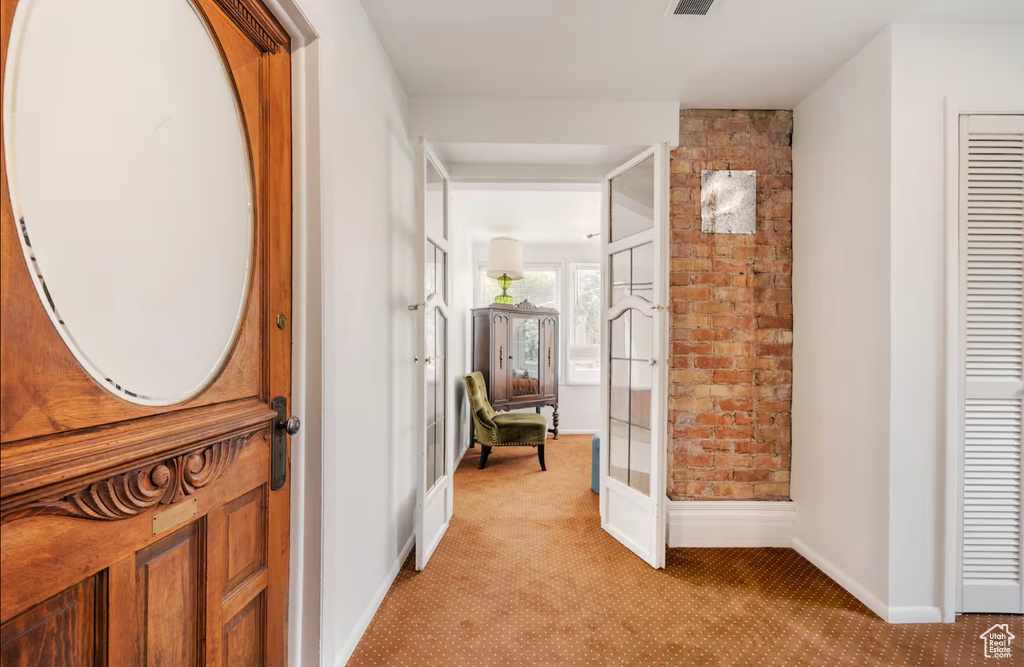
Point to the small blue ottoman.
(595, 464)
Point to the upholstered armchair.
(506, 430)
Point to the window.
(541, 284)
(584, 325)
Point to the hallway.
(525, 575)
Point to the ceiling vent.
(691, 7)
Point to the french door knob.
(292, 426)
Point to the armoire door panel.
(61, 631)
(549, 357)
(500, 371)
(169, 600)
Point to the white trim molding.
(840, 576)
(731, 523)
(857, 590)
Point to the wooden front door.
(144, 531)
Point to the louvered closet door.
(992, 276)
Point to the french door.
(434, 488)
(634, 344)
(991, 303)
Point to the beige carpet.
(525, 575)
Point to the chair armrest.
(485, 420)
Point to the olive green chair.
(505, 430)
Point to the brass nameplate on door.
(175, 516)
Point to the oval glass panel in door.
(132, 190)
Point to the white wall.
(368, 337)
(869, 192)
(929, 63)
(841, 324)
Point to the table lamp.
(505, 264)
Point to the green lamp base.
(504, 282)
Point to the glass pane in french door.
(621, 266)
(440, 396)
(642, 275)
(631, 376)
(434, 365)
(430, 277)
(633, 273)
(433, 388)
(436, 270)
(632, 200)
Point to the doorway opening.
(567, 337)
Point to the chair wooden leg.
(540, 455)
(485, 451)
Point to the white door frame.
(611, 489)
(955, 376)
(433, 506)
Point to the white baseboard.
(725, 523)
(838, 575)
(364, 621)
(914, 615)
(870, 600)
(577, 431)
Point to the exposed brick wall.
(732, 325)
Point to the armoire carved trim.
(131, 493)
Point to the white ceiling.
(743, 54)
(551, 214)
(966, 11)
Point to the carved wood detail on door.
(131, 493)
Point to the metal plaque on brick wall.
(728, 202)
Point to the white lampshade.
(506, 258)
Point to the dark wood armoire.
(516, 349)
